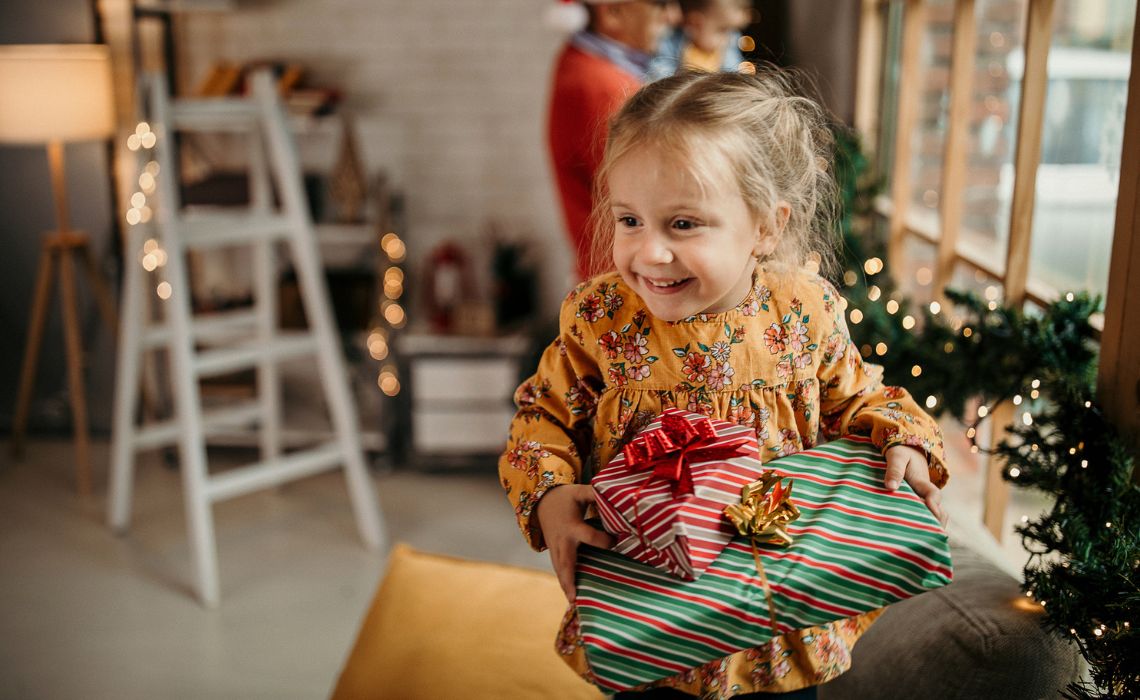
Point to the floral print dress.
(781, 361)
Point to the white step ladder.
(206, 345)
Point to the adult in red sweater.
(596, 71)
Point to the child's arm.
(560, 517)
(853, 399)
(549, 435)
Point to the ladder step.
(207, 328)
(213, 114)
(251, 352)
(212, 228)
(162, 433)
(296, 465)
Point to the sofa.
(978, 637)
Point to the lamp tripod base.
(60, 251)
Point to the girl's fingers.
(598, 538)
(564, 570)
(896, 468)
(934, 503)
(584, 495)
(932, 497)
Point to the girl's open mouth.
(666, 286)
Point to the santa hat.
(569, 16)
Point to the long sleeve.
(853, 398)
(551, 429)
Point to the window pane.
(1075, 206)
(916, 280)
(928, 140)
(986, 199)
(889, 94)
(969, 279)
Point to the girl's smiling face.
(685, 249)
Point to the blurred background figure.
(598, 68)
(707, 38)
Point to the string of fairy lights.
(1025, 400)
(390, 312)
(151, 256)
(1030, 393)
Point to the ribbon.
(763, 515)
(670, 450)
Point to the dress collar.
(756, 299)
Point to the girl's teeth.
(667, 284)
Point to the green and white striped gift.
(857, 548)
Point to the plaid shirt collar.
(632, 61)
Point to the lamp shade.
(55, 92)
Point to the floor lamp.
(52, 94)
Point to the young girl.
(714, 196)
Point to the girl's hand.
(909, 463)
(559, 513)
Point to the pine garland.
(1084, 564)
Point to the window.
(952, 77)
(998, 126)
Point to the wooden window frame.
(1119, 372)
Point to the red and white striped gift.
(663, 496)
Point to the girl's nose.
(655, 250)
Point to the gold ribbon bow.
(763, 515)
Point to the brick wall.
(448, 98)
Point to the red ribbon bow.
(671, 449)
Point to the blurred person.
(598, 68)
(706, 40)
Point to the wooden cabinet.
(458, 398)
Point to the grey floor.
(88, 614)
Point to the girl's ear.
(770, 232)
(765, 244)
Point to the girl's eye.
(684, 224)
(627, 221)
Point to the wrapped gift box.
(857, 548)
(663, 495)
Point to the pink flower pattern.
(635, 348)
(720, 376)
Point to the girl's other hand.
(560, 516)
(909, 463)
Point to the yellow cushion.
(441, 627)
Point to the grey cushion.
(974, 638)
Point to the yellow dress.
(781, 361)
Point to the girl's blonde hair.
(759, 130)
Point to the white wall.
(449, 98)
